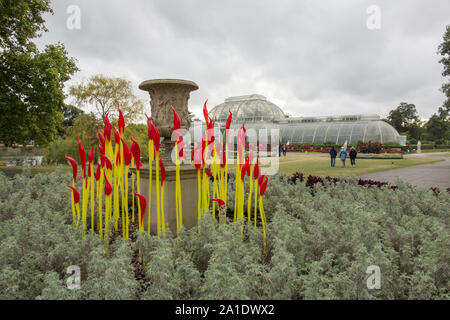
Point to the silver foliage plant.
(320, 242)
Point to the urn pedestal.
(189, 196)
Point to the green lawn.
(319, 165)
(314, 164)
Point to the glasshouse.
(259, 113)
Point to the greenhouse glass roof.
(258, 113)
(338, 132)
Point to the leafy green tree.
(31, 81)
(102, 94)
(416, 131)
(404, 118)
(438, 126)
(86, 127)
(444, 51)
(21, 20)
(70, 114)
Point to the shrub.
(39, 242)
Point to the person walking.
(284, 150)
(343, 156)
(333, 154)
(352, 155)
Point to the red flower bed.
(392, 151)
(366, 147)
(369, 147)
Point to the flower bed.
(368, 147)
(319, 246)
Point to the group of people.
(282, 149)
(343, 156)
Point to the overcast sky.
(311, 58)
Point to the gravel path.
(426, 175)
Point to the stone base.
(189, 196)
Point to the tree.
(404, 118)
(102, 94)
(21, 20)
(31, 81)
(86, 127)
(416, 131)
(438, 126)
(444, 51)
(70, 113)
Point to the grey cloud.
(310, 57)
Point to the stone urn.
(163, 94)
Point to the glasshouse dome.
(249, 108)
(259, 113)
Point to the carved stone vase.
(163, 94)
